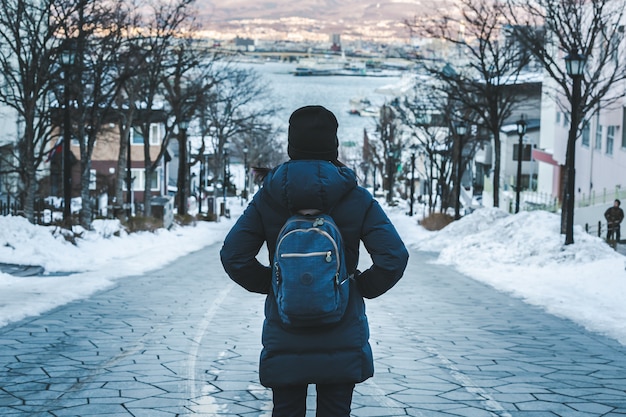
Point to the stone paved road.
(184, 341)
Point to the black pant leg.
(289, 401)
(334, 400)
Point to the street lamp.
(575, 66)
(461, 130)
(431, 157)
(390, 164)
(183, 167)
(521, 131)
(245, 169)
(129, 180)
(67, 60)
(225, 182)
(413, 149)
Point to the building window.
(138, 176)
(586, 133)
(598, 142)
(610, 139)
(136, 138)
(526, 152)
(155, 134)
(155, 184)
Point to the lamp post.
(225, 181)
(182, 167)
(461, 130)
(390, 164)
(521, 131)
(575, 66)
(413, 149)
(67, 59)
(129, 176)
(245, 169)
(431, 157)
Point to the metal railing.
(533, 200)
(606, 196)
(598, 229)
(14, 208)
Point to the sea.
(334, 92)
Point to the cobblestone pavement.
(185, 341)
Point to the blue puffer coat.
(337, 354)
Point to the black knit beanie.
(313, 134)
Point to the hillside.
(353, 18)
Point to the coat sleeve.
(238, 254)
(388, 253)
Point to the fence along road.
(185, 341)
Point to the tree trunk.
(86, 208)
(29, 178)
(147, 191)
(30, 188)
(122, 161)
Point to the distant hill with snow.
(360, 19)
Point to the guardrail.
(532, 200)
(598, 229)
(13, 208)
(605, 196)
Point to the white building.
(600, 161)
(510, 154)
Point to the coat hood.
(309, 184)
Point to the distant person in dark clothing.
(614, 216)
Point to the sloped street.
(185, 340)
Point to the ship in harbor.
(362, 106)
(318, 66)
(335, 65)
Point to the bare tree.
(593, 29)
(188, 86)
(486, 64)
(131, 61)
(388, 132)
(169, 61)
(239, 109)
(28, 52)
(373, 156)
(425, 115)
(97, 30)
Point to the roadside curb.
(21, 270)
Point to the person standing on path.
(614, 216)
(333, 357)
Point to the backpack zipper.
(328, 255)
(328, 236)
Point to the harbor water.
(333, 92)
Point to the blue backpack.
(310, 279)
